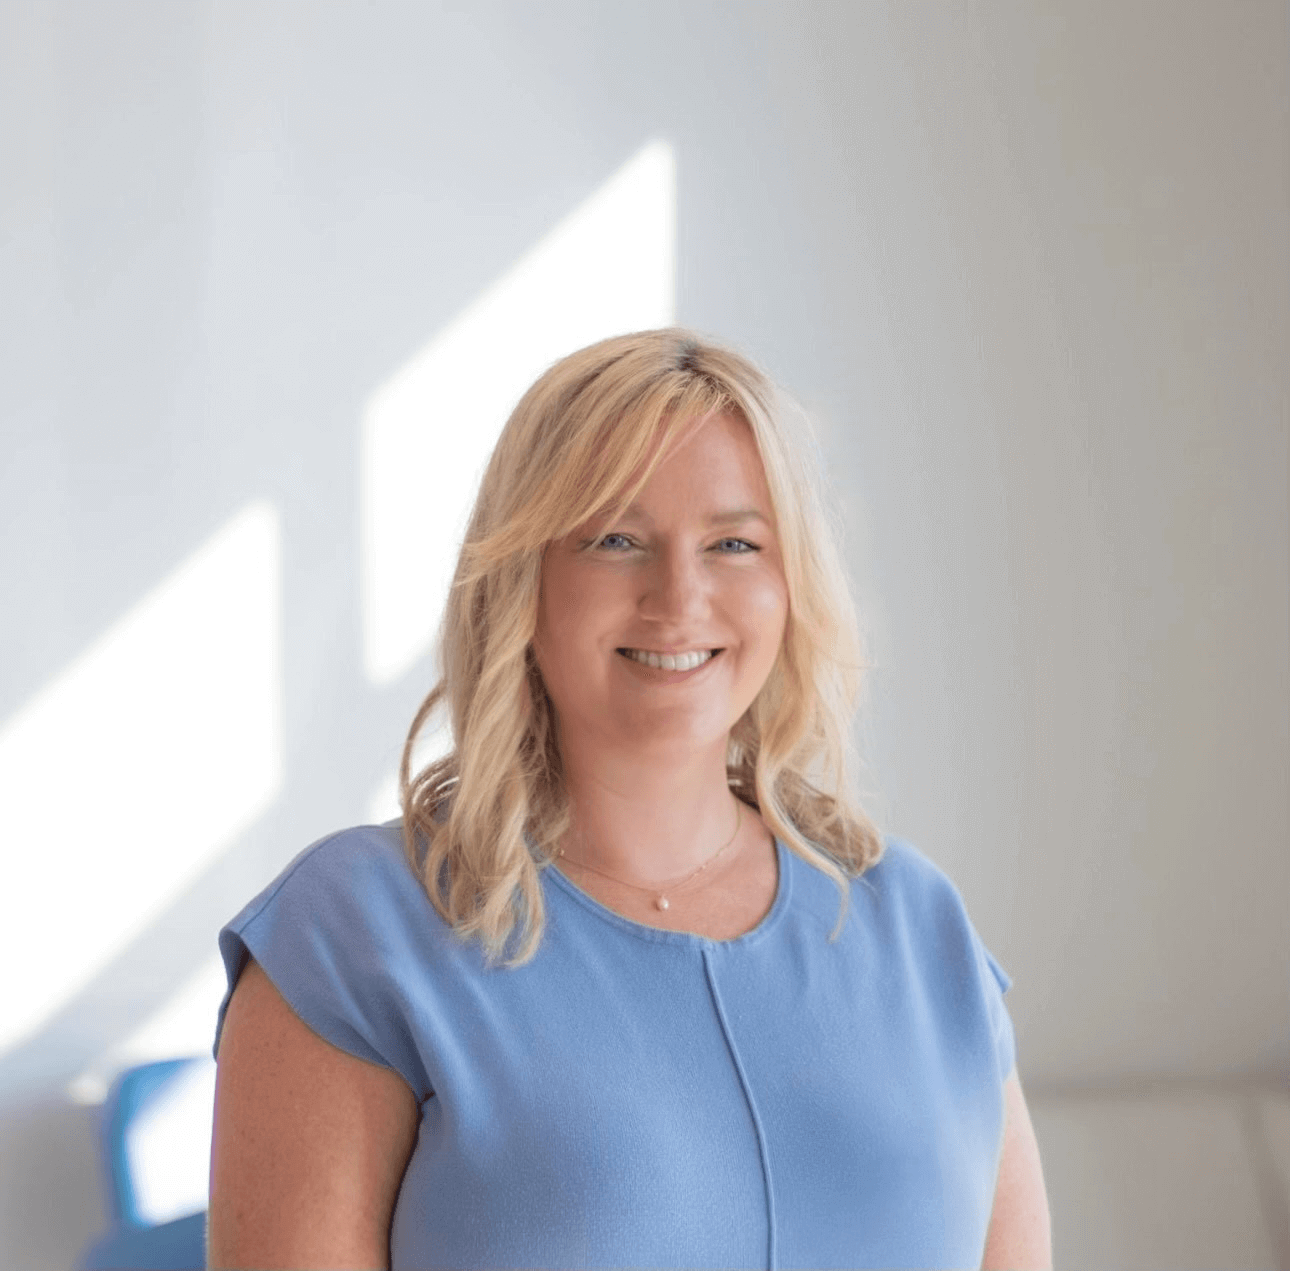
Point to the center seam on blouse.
(762, 1150)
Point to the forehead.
(707, 463)
(717, 452)
(705, 457)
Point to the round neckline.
(665, 935)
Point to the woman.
(633, 984)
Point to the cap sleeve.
(953, 956)
(996, 982)
(330, 933)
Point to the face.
(661, 634)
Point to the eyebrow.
(732, 517)
(737, 515)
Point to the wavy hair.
(481, 822)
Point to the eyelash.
(745, 547)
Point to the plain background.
(1028, 266)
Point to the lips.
(688, 661)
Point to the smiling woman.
(609, 518)
(615, 992)
(655, 632)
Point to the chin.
(647, 731)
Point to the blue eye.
(615, 542)
(735, 546)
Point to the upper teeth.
(670, 661)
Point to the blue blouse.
(634, 1097)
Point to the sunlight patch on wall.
(608, 268)
(124, 777)
(384, 802)
(433, 742)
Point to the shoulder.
(368, 851)
(903, 898)
(906, 926)
(907, 889)
(916, 901)
(902, 878)
(345, 933)
(352, 872)
(903, 875)
(910, 905)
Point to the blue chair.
(155, 1141)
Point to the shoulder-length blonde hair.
(480, 823)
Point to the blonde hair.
(480, 823)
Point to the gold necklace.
(660, 893)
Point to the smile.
(671, 661)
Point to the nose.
(676, 589)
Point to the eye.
(615, 542)
(735, 546)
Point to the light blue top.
(642, 1098)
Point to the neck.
(647, 821)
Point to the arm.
(1020, 1235)
(310, 1143)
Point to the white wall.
(1076, 488)
(1029, 265)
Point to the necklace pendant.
(661, 903)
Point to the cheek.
(574, 610)
(556, 598)
(553, 646)
(767, 611)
